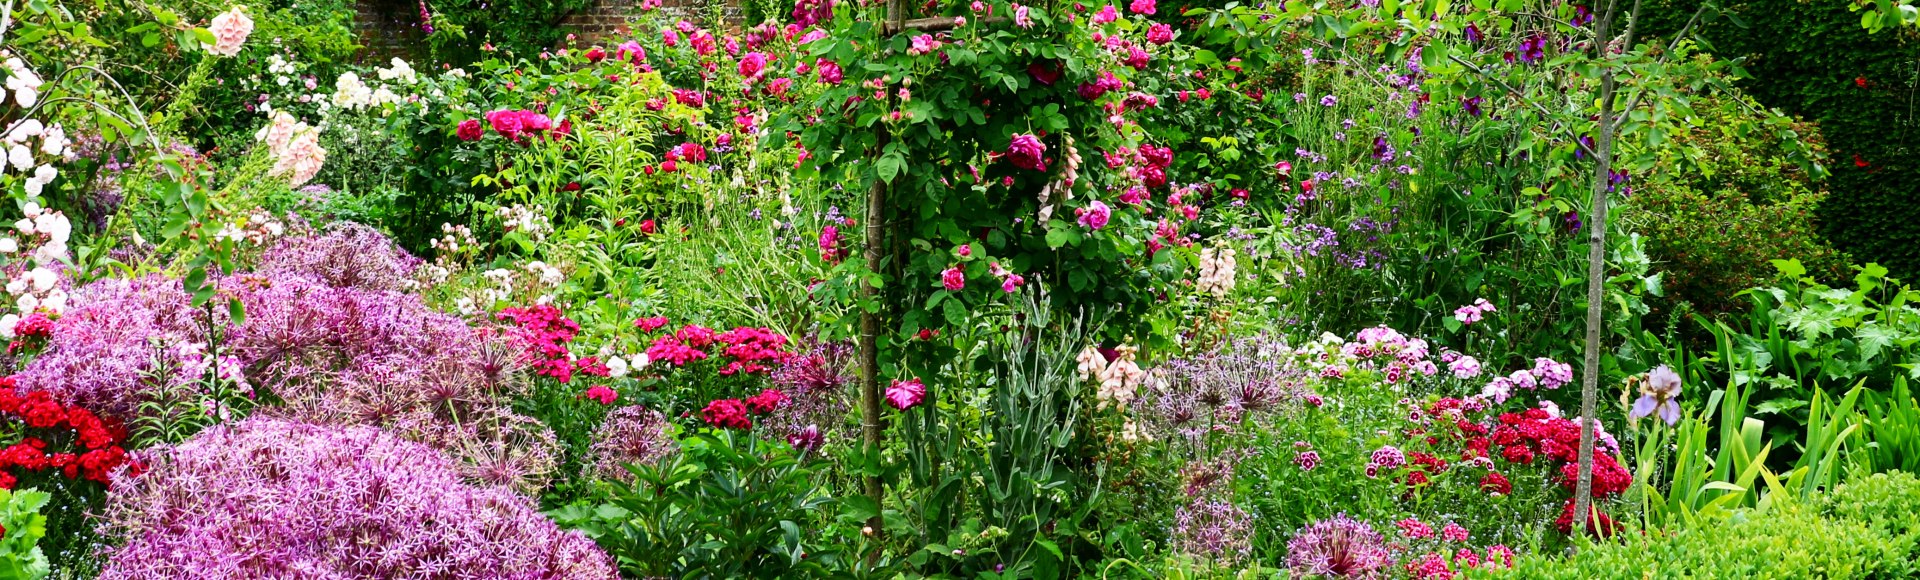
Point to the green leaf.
(888, 166)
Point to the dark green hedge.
(1812, 59)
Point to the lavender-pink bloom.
(1213, 529)
(116, 331)
(266, 498)
(348, 254)
(631, 434)
(1339, 547)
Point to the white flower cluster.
(37, 288)
(400, 71)
(531, 221)
(547, 275)
(258, 229)
(295, 146)
(350, 93)
(451, 250)
(1216, 271)
(24, 84)
(620, 366)
(20, 152)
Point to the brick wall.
(388, 28)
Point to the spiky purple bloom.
(265, 498)
(348, 254)
(117, 332)
(816, 384)
(354, 356)
(631, 434)
(1226, 385)
(1339, 547)
(1212, 529)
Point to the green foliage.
(1726, 197)
(1802, 333)
(1784, 543)
(21, 528)
(1815, 61)
(730, 505)
(1889, 502)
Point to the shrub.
(1750, 545)
(1885, 501)
(1721, 202)
(265, 498)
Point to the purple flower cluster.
(118, 332)
(347, 255)
(1213, 529)
(1247, 376)
(816, 384)
(266, 498)
(1339, 547)
(346, 355)
(631, 434)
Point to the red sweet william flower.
(727, 414)
(600, 393)
(1494, 482)
(766, 402)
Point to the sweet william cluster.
(99, 452)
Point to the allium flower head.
(1213, 529)
(266, 498)
(631, 434)
(347, 255)
(1339, 547)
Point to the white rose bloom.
(46, 173)
(34, 186)
(56, 301)
(27, 303)
(616, 367)
(54, 141)
(20, 157)
(638, 360)
(24, 225)
(7, 323)
(17, 286)
(8, 246)
(43, 279)
(24, 130)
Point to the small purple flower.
(1328, 101)
(1659, 395)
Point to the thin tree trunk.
(1597, 265)
(871, 325)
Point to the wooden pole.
(1597, 266)
(870, 323)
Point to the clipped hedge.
(1785, 543)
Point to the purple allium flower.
(265, 498)
(631, 434)
(1339, 547)
(354, 356)
(116, 332)
(1212, 529)
(816, 383)
(1222, 386)
(348, 254)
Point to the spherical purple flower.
(347, 255)
(1339, 547)
(265, 498)
(631, 434)
(1212, 529)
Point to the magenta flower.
(1454, 533)
(1158, 33)
(828, 71)
(807, 439)
(1012, 283)
(1026, 152)
(1143, 7)
(753, 65)
(1095, 215)
(1021, 18)
(1105, 15)
(469, 130)
(600, 393)
(906, 394)
(953, 279)
(630, 51)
